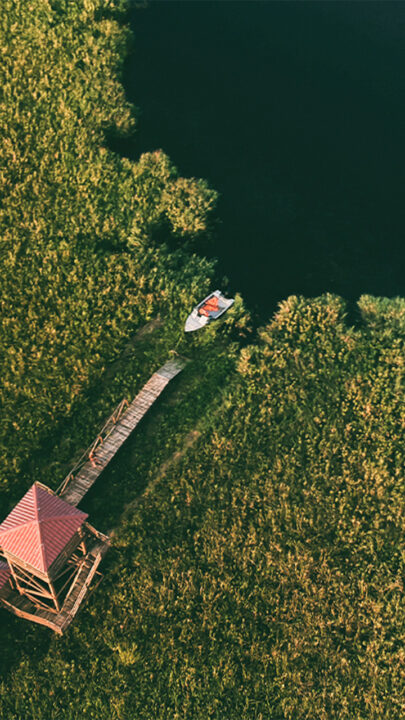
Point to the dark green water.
(295, 113)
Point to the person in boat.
(210, 306)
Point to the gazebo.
(50, 555)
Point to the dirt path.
(138, 337)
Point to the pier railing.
(89, 454)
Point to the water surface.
(294, 112)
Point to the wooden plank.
(146, 399)
(127, 425)
(138, 409)
(119, 432)
(143, 404)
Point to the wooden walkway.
(114, 434)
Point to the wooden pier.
(114, 433)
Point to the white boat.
(211, 308)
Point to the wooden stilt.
(54, 595)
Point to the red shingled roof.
(39, 527)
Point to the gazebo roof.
(39, 527)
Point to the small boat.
(211, 308)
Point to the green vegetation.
(256, 563)
(80, 269)
(258, 574)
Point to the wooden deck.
(21, 606)
(81, 478)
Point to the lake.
(295, 113)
